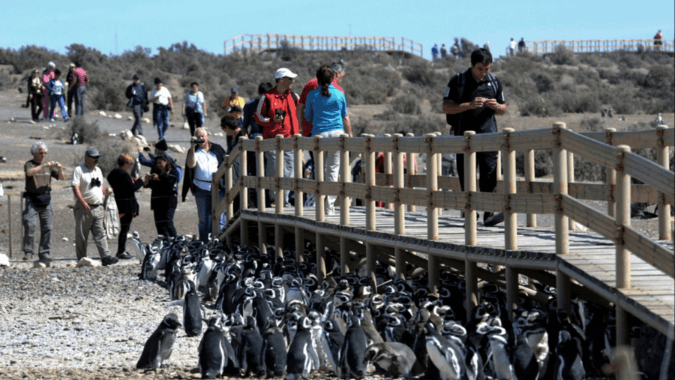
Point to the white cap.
(284, 72)
(51, 64)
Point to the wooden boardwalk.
(590, 262)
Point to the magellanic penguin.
(158, 347)
(215, 351)
(274, 349)
(397, 359)
(250, 351)
(568, 362)
(445, 354)
(353, 352)
(301, 356)
(192, 311)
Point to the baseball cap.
(235, 90)
(135, 77)
(162, 145)
(71, 65)
(51, 64)
(158, 81)
(284, 72)
(92, 152)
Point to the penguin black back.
(192, 312)
(274, 349)
(250, 354)
(353, 351)
(158, 347)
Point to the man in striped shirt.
(80, 81)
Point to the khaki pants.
(90, 221)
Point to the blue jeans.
(53, 100)
(79, 100)
(204, 207)
(30, 216)
(162, 119)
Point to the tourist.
(138, 102)
(89, 191)
(444, 51)
(39, 200)
(124, 188)
(521, 45)
(162, 106)
(194, 107)
(35, 95)
(80, 81)
(253, 130)
(476, 96)
(434, 52)
(56, 89)
(70, 91)
(327, 111)
(512, 47)
(163, 180)
(47, 75)
(233, 100)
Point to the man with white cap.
(89, 212)
(277, 115)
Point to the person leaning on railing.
(326, 110)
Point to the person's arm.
(347, 125)
(204, 103)
(262, 117)
(183, 107)
(301, 114)
(78, 196)
(171, 102)
(58, 174)
(191, 159)
(451, 108)
(499, 109)
(32, 171)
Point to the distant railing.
(266, 42)
(599, 46)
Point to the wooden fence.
(404, 192)
(599, 46)
(266, 42)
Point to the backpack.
(454, 119)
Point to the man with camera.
(203, 160)
(89, 212)
(277, 115)
(162, 106)
(471, 101)
(39, 201)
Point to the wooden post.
(344, 202)
(318, 179)
(243, 196)
(370, 181)
(529, 177)
(570, 179)
(279, 174)
(399, 208)
(561, 222)
(470, 236)
(439, 167)
(230, 201)
(511, 276)
(410, 161)
(499, 166)
(662, 155)
(510, 218)
(9, 223)
(432, 214)
(610, 175)
(260, 165)
(622, 219)
(298, 174)
(387, 170)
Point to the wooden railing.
(598, 46)
(610, 149)
(265, 42)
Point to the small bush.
(406, 104)
(592, 125)
(91, 136)
(543, 163)
(563, 56)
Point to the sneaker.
(124, 256)
(66, 119)
(109, 260)
(52, 120)
(27, 257)
(491, 220)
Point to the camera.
(95, 182)
(281, 113)
(198, 141)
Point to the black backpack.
(454, 119)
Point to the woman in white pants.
(326, 109)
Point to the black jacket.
(165, 191)
(189, 174)
(124, 188)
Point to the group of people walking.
(48, 89)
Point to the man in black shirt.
(471, 101)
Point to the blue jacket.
(55, 87)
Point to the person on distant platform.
(512, 47)
(327, 111)
(434, 52)
(475, 97)
(124, 188)
(444, 51)
(658, 40)
(521, 45)
(162, 107)
(194, 107)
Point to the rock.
(186, 125)
(176, 148)
(71, 265)
(146, 120)
(12, 119)
(87, 262)
(65, 239)
(4, 260)
(39, 264)
(112, 135)
(117, 116)
(101, 113)
(32, 121)
(130, 118)
(110, 116)
(45, 127)
(126, 134)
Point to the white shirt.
(513, 45)
(163, 94)
(82, 178)
(207, 165)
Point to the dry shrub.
(406, 104)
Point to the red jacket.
(269, 103)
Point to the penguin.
(568, 363)
(352, 354)
(274, 349)
(150, 264)
(250, 351)
(192, 312)
(524, 360)
(335, 338)
(444, 354)
(501, 356)
(320, 343)
(301, 356)
(158, 347)
(396, 359)
(215, 351)
(368, 328)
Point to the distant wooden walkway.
(590, 261)
(600, 46)
(614, 264)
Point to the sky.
(208, 23)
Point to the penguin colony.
(274, 319)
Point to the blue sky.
(207, 23)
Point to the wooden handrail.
(591, 46)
